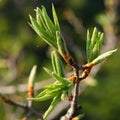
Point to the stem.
(74, 103)
(23, 106)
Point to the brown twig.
(11, 102)
(23, 106)
(74, 103)
(71, 111)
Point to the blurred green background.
(21, 48)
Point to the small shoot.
(94, 42)
(57, 64)
(49, 31)
(62, 49)
(44, 26)
(93, 47)
(102, 57)
(57, 90)
(31, 82)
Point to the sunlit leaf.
(42, 33)
(52, 105)
(102, 57)
(55, 18)
(94, 43)
(48, 22)
(42, 98)
(32, 75)
(57, 64)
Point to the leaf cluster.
(94, 42)
(50, 32)
(93, 47)
(44, 26)
(57, 90)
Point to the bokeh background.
(21, 48)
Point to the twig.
(11, 102)
(74, 105)
(21, 105)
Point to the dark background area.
(21, 48)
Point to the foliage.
(50, 33)
(20, 49)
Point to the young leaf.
(54, 92)
(48, 22)
(31, 82)
(55, 18)
(88, 46)
(64, 94)
(44, 26)
(94, 43)
(42, 33)
(95, 51)
(32, 75)
(53, 86)
(100, 38)
(59, 78)
(48, 71)
(39, 18)
(103, 57)
(94, 37)
(42, 93)
(57, 64)
(52, 105)
(42, 98)
(62, 49)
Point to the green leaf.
(57, 77)
(53, 61)
(95, 51)
(42, 98)
(64, 94)
(48, 71)
(42, 33)
(39, 18)
(54, 92)
(57, 64)
(101, 36)
(103, 57)
(56, 84)
(94, 43)
(94, 37)
(55, 18)
(61, 45)
(65, 82)
(48, 22)
(55, 101)
(42, 93)
(88, 46)
(32, 75)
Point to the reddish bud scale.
(66, 56)
(73, 78)
(70, 97)
(88, 65)
(87, 68)
(30, 91)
